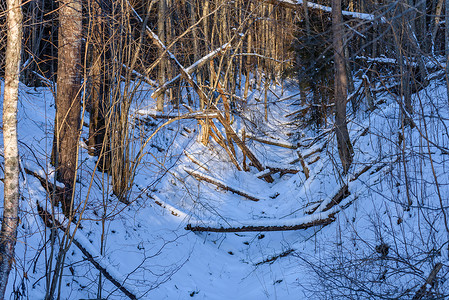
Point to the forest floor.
(376, 232)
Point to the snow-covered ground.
(389, 231)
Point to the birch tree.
(11, 155)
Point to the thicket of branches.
(207, 56)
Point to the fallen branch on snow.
(430, 282)
(200, 176)
(273, 142)
(196, 161)
(97, 260)
(272, 259)
(247, 228)
(317, 219)
(270, 170)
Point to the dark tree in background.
(341, 88)
(68, 105)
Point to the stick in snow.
(273, 142)
(196, 161)
(199, 176)
(272, 259)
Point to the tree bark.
(252, 228)
(162, 65)
(340, 93)
(438, 10)
(11, 154)
(66, 136)
(99, 89)
(446, 43)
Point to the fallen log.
(317, 219)
(199, 176)
(249, 228)
(173, 210)
(49, 187)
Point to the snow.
(147, 247)
(357, 15)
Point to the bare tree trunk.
(161, 33)
(248, 59)
(341, 84)
(446, 43)
(402, 45)
(11, 154)
(438, 10)
(65, 146)
(421, 25)
(100, 85)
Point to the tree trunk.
(65, 146)
(248, 60)
(11, 154)
(99, 88)
(446, 42)
(160, 32)
(438, 10)
(341, 84)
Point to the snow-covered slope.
(386, 220)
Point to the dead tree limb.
(196, 161)
(270, 170)
(430, 282)
(304, 165)
(321, 222)
(283, 144)
(272, 259)
(199, 176)
(48, 218)
(224, 143)
(49, 187)
(192, 115)
(190, 69)
(171, 56)
(242, 146)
